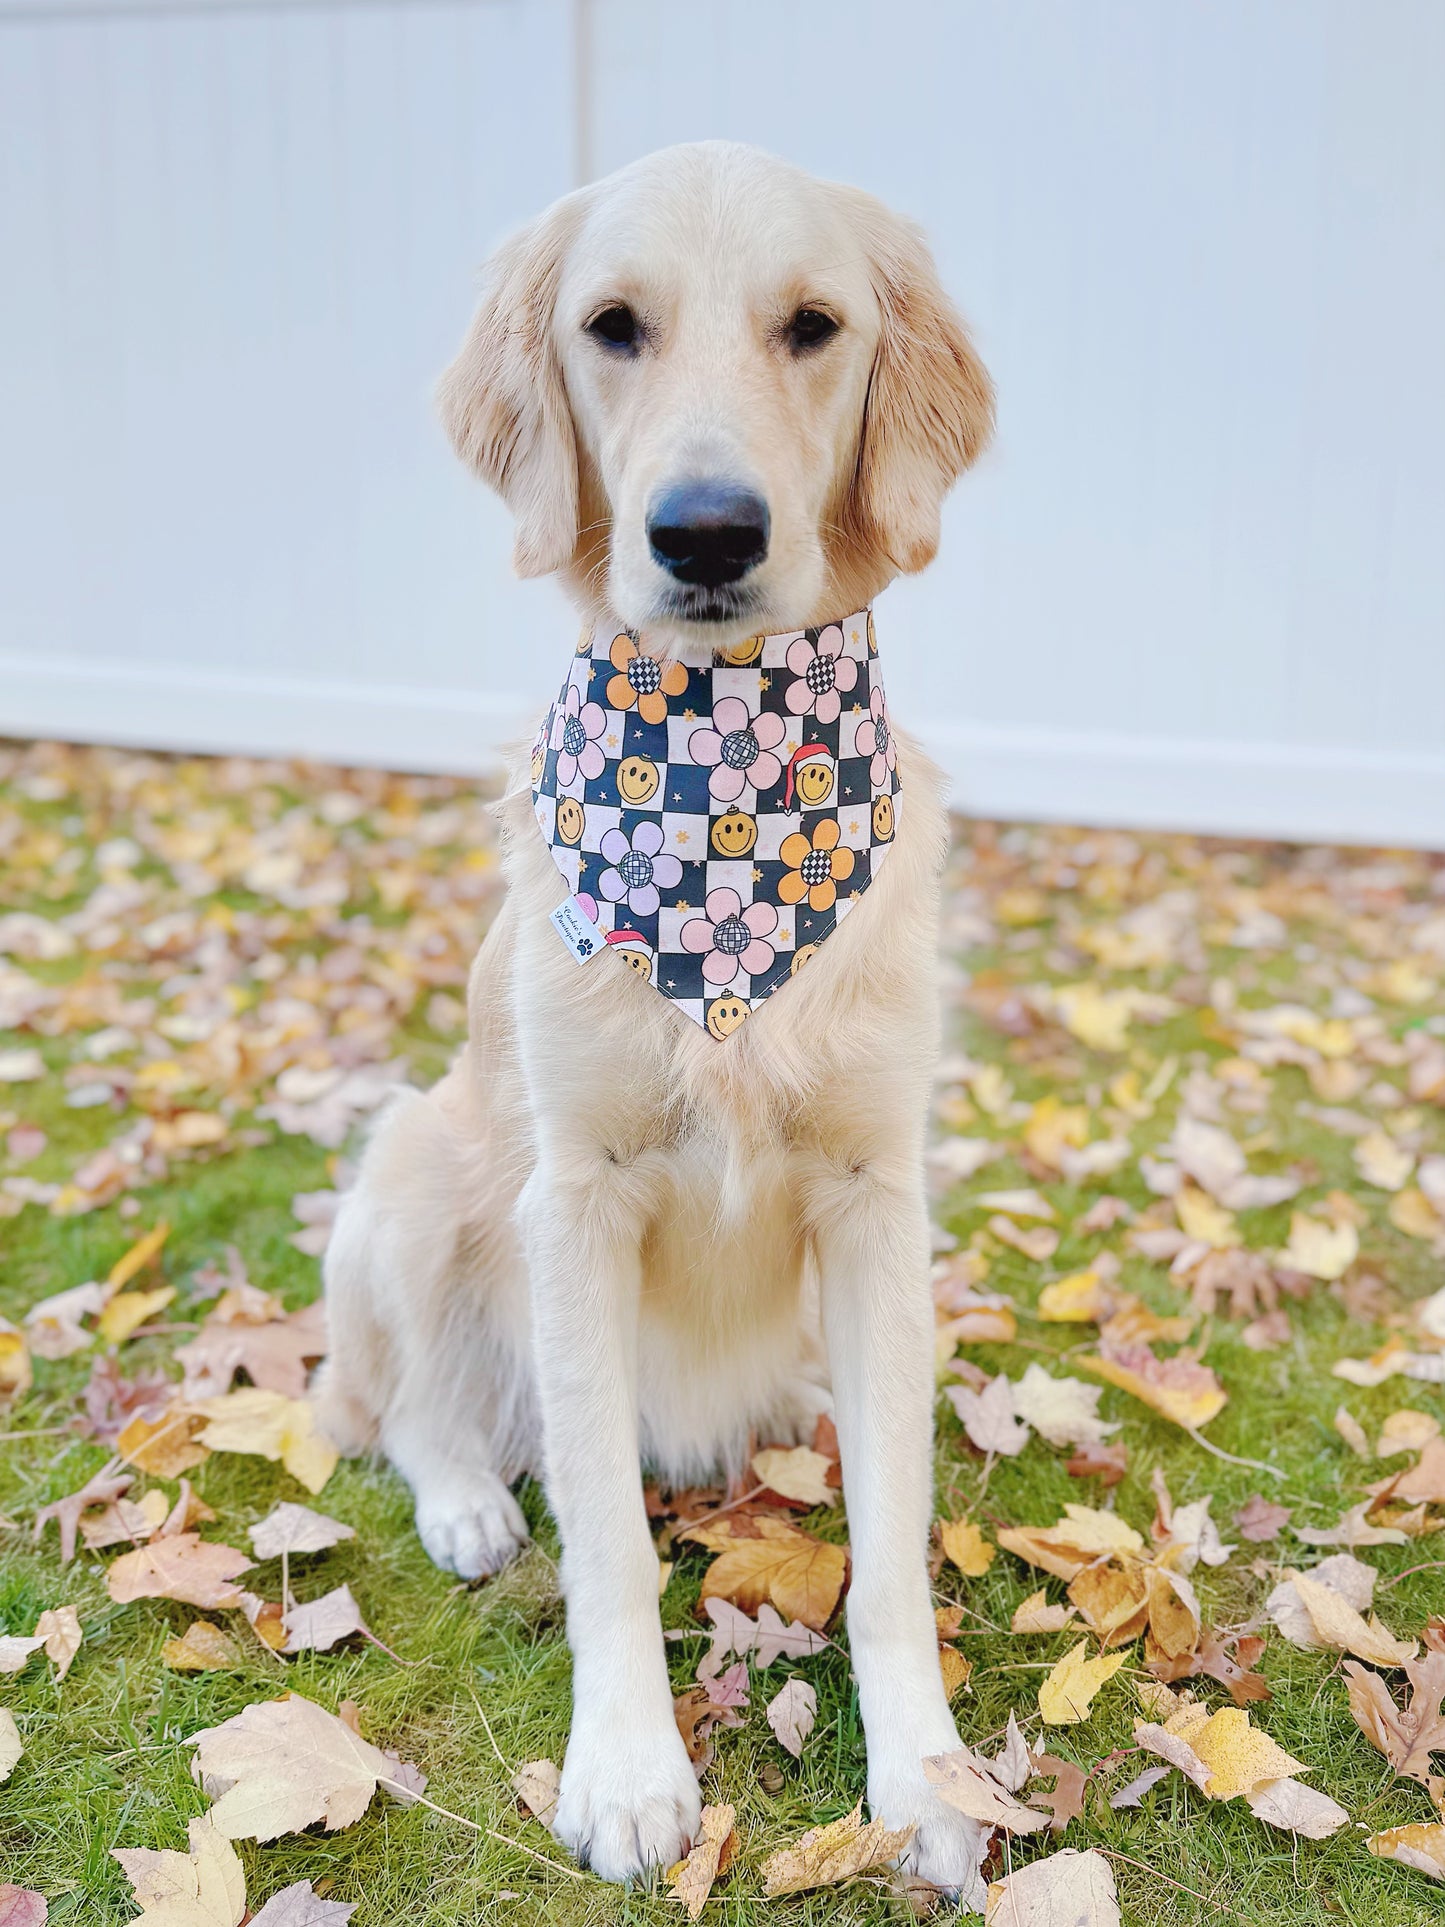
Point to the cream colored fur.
(606, 1238)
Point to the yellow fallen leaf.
(1421, 1846)
(1320, 1250)
(1098, 1018)
(1406, 1431)
(537, 1784)
(1178, 1388)
(203, 1648)
(826, 1856)
(1052, 1126)
(273, 1427)
(956, 1670)
(1036, 1615)
(770, 1559)
(59, 1627)
(1068, 1692)
(203, 1888)
(1352, 1432)
(966, 1546)
(166, 1445)
(800, 1474)
(128, 1309)
(1065, 1889)
(1337, 1624)
(1080, 1299)
(1412, 1212)
(692, 1879)
(134, 1261)
(1382, 1162)
(183, 1566)
(16, 1375)
(1201, 1218)
(1237, 1754)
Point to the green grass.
(106, 1765)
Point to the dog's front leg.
(870, 1228)
(629, 1800)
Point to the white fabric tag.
(577, 930)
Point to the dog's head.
(718, 394)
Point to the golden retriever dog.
(606, 1238)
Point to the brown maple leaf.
(101, 1489)
(767, 1558)
(1066, 1801)
(1407, 1737)
(182, 1567)
(273, 1351)
(1107, 1462)
(1212, 1657)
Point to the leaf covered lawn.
(1189, 1185)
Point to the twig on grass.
(1231, 1458)
(410, 1794)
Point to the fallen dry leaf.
(285, 1763)
(273, 1350)
(59, 1627)
(203, 1648)
(1259, 1519)
(766, 1558)
(791, 1714)
(1239, 1756)
(320, 1623)
(1065, 1411)
(1320, 1250)
(299, 1905)
(11, 1745)
(966, 1546)
(1036, 1615)
(800, 1474)
(963, 1780)
(101, 1489)
(1296, 1808)
(1352, 1432)
(988, 1417)
(1180, 1388)
(15, 1651)
(1068, 1692)
(828, 1855)
(1421, 1846)
(185, 1567)
(22, 1907)
(1337, 1624)
(16, 1375)
(1406, 1431)
(271, 1426)
(1067, 1889)
(1407, 1737)
(129, 1310)
(296, 1528)
(203, 1888)
(537, 1785)
(692, 1879)
(165, 1443)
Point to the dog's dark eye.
(810, 328)
(616, 327)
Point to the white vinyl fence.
(1200, 581)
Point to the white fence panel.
(240, 242)
(1200, 580)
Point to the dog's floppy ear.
(929, 411)
(503, 400)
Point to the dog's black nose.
(708, 532)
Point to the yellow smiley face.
(882, 818)
(570, 820)
(639, 961)
(738, 655)
(724, 1014)
(584, 642)
(734, 834)
(815, 783)
(800, 957)
(637, 779)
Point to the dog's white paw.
(629, 1805)
(947, 1847)
(793, 1420)
(470, 1525)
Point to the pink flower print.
(639, 866)
(575, 729)
(739, 748)
(731, 937)
(875, 739)
(824, 675)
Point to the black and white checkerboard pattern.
(607, 769)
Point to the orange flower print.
(642, 679)
(816, 866)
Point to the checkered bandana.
(715, 825)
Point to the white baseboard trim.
(1335, 794)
